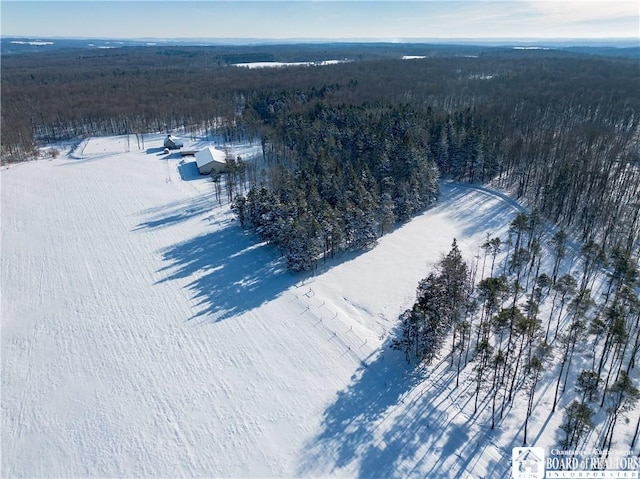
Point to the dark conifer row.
(339, 177)
(440, 308)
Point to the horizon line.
(330, 40)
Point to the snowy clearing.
(145, 334)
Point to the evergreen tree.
(587, 384)
(622, 397)
(559, 249)
(576, 422)
(440, 307)
(534, 372)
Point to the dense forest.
(352, 148)
(340, 177)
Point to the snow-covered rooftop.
(209, 154)
(173, 139)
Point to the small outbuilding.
(210, 159)
(173, 143)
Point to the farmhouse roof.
(208, 155)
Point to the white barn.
(210, 159)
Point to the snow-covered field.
(144, 334)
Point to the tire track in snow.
(30, 348)
(87, 268)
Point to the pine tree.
(491, 292)
(568, 343)
(386, 217)
(622, 398)
(575, 424)
(624, 272)
(593, 258)
(239, 207)
(559, 248)
(483, 354)
(431, 304)
(565, 287)
(454, 274)
(440, 307)
(587, 384)
(495, 245)
(534, 372)
(517, 228)
(615, 339)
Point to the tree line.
(507, 328)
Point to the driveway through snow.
(144, 334)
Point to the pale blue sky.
(322, 19)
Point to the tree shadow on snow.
(155, 150)
(393, 421)
(230, 270)
(229, 273)
(177, 211)
(349, 424)
(385, 424)
(478, 209)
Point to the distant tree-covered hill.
(558, 128)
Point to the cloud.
(380, 19)
(589, 18)
(576, 11)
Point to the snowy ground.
(145, 334)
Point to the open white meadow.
(145, 334)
